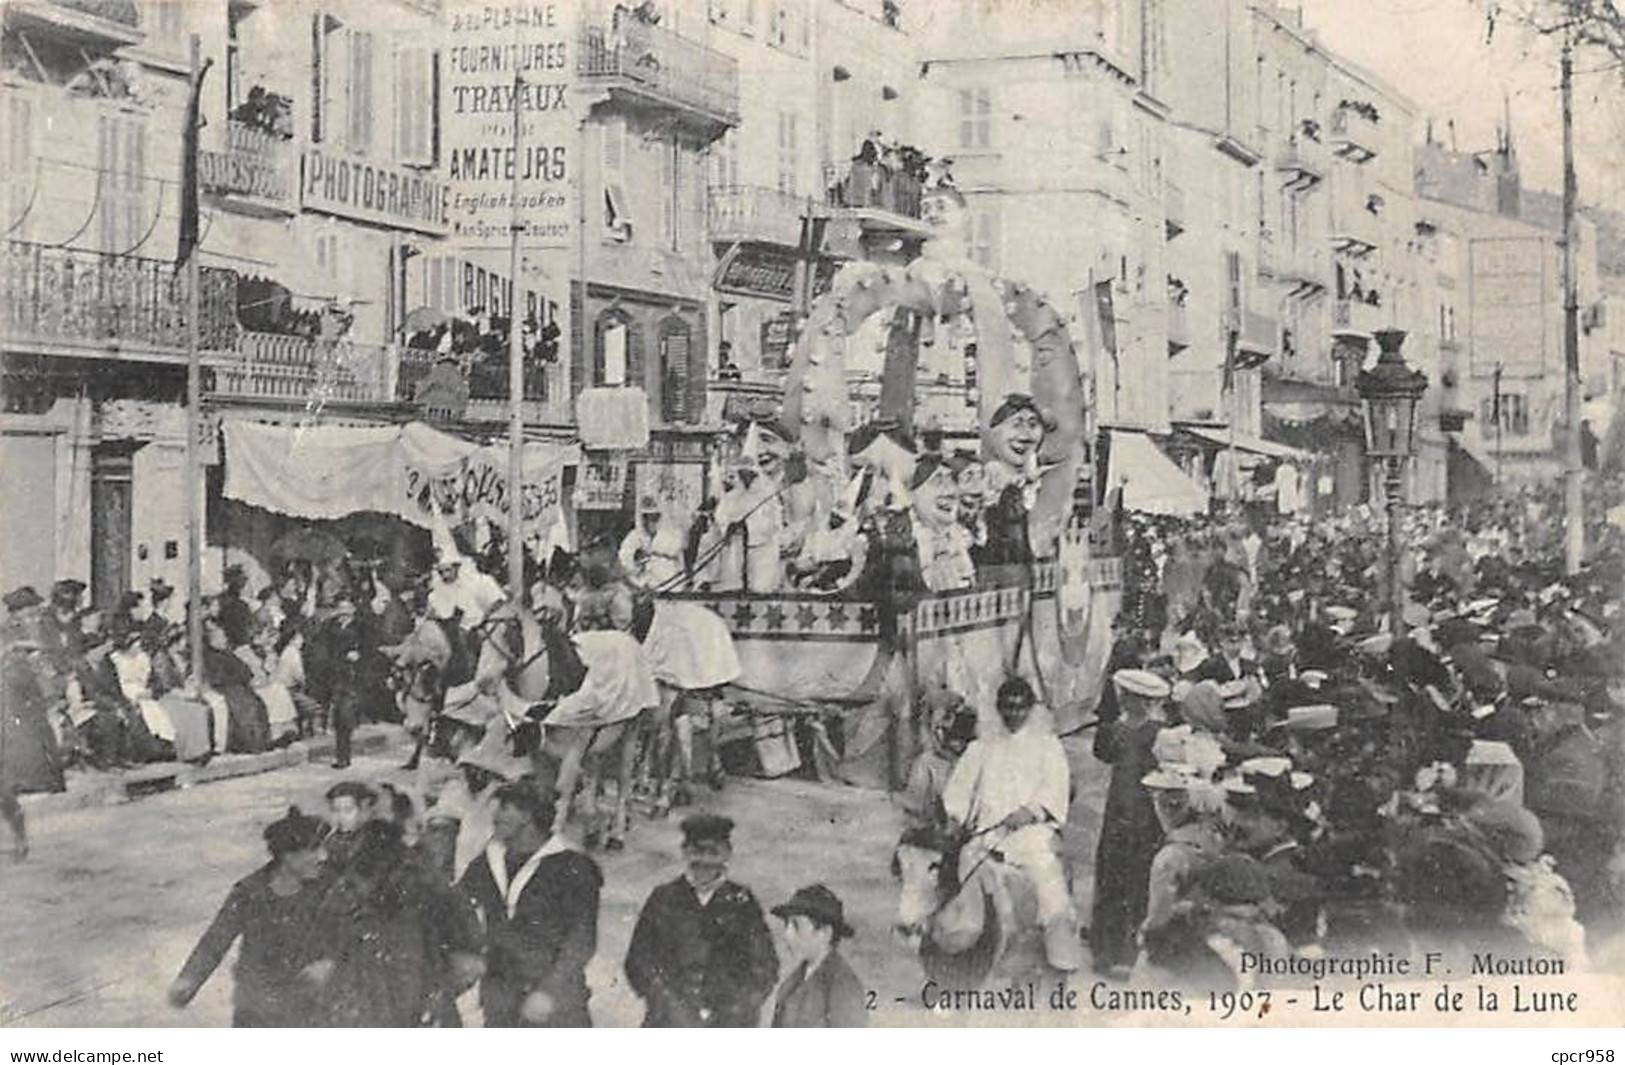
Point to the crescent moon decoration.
(817, 411)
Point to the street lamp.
(1390, 392)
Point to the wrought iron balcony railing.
(753, 212)
(661, 65)
(872, 185)
(98, 304)
(281, 368)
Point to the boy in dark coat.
(821, 991)
(273, 910)
(701, 955)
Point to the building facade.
(1504, 371)
(316, 172)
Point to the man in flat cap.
(701, 954)
(60, 630)
(21, 600)
(1129, 831)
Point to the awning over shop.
(1246, 442)
(1150, 481)
(327, 472)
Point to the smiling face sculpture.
(1016, 432)
(936, 495)
(972, 487)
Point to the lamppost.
(1390, 392)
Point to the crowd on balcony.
(478, 345)
(887, 174)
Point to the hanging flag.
(190, 131)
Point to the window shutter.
(404, 91)
(598, 336)
(674, 366)
(317, 96)
(578, 346)
(107, 160)
(668, 192)
(635, 357)
(135, 164)
(434, 108)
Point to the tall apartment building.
(1291, 169)
(1503, 372)
(317, 174)
(1222, 304)
(1056, 128)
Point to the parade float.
(851, 665)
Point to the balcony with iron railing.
(75, 302)
(104, 23)
(1354, 133)
(1356, 232)
(279, 368)
(758, 397)
(1179, 327)
(1173, 209)
(879, 196)
(1358, 317)
(1301, 162)
(1258, 340)
(644, 61)
(1303, 267)
(756, 213)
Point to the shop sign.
(484, 48)
(255, 165)
(678, 486)
(759, 272)
(394, 196)
(600, 486)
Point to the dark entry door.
(110, 531)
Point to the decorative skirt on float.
(689, 647)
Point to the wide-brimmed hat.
(1172, 776)
(1142, 682)
(1189, 653)
(819, 903)
(22, 598)
(1314, 718)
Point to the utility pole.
(194, 396)
(516, 373)
(1573, 486)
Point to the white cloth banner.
(330, 472)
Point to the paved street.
(97, 922)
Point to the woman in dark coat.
(29, 759)
(1129, 831)
(249, 725)
(272, 910)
